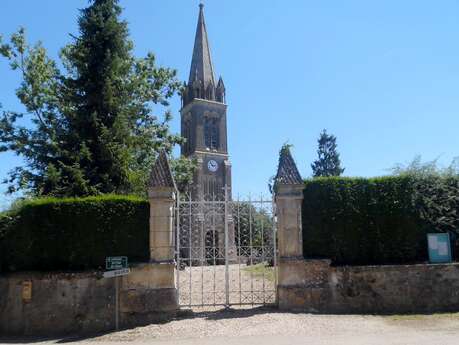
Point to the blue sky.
(381, 75)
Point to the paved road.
(270, 327)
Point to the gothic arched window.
(188, 136)
(211, 133)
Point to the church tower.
(203, 121)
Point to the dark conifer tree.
(93, 130)
(328, 162)
(99, 124)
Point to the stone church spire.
(201, 83)
(203, 122)
(201, 64)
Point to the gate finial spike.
(287, 172)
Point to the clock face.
(212, 165)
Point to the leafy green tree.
(253, 229)
(328, 162)
(183, 170)
(435, 192)
(418, 168)
(92, 125)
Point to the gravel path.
(271, 327)
(207, 286)
(249, 324)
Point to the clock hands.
(212, 165)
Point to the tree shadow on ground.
(50, 339)
(212, 314)
(206, 313)
(226, 313)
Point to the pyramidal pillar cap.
(288, 180)
(162, 183)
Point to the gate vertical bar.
(215, 248)
(239, 250)
(263, 248)
(251, 246)
(177, 245)
(274, 217)
(203, 257)
(190, 263)
(226, 249)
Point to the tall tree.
(435, 192)
(328, 162)
(93, 129)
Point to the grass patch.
(419, 317)
(261, 270)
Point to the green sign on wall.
(116, 262)
(439, 248)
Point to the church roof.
(161, 175)
(201, 63)
(287, 172)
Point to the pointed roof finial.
(201, 63)
(287, 172)
(220, 83)
(161, 174)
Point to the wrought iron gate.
(226, 252)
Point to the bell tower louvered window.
(211, 134)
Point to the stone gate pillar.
(161, 195)
(150, 290)
(289, 197)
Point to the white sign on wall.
(117, 273)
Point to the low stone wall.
(372, 289)
(78, 303)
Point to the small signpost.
(116, 266)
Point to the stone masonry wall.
(373, 289)
(81, 303)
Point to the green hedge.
(73, 234)
(359, 221)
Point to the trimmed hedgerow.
(361, 221)
(73, 234)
